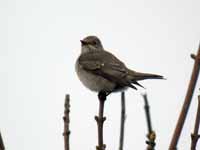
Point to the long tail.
(136, 76)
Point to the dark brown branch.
(187, 101)
(100, 120)
(123, 118)
(66, 119)
(195, 136)
(1, 143)
(193, 56)
(151, 134)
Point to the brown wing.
(106, 65)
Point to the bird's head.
(91, 43)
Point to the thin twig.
(187, 101)
(151, 134)
(1, 143)
(66, 119)
(195, 136)
(123, 118)
(100, 120)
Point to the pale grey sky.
(39, 43)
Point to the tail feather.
(135, 76)
(132, 86)
(136, 83)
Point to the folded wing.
(106, 65)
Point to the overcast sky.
(39, 44)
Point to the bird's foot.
(103, 94)
(108, 93)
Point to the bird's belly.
(94, 82)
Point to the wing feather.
(106, 65)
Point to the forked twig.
(66, 120)
(122, 122)
(195, 136)
(151, 134)
(100, 120)
(187, 101)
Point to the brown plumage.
(99, 70)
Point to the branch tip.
(66, 120)
(193, 56)
(2, 147)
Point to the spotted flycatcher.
(99, 70)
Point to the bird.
(100, 71)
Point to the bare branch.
(66, 119)
(187, 101)
(1, 143)
(151, 134)
(123, 118)
(195, 136)
(100, 120)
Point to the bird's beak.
(83, 42)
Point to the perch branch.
(123, 118)
(151, 134)
(187, 101)
(1, 143)
(195, 136)
(100, 120)
(66, 120)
